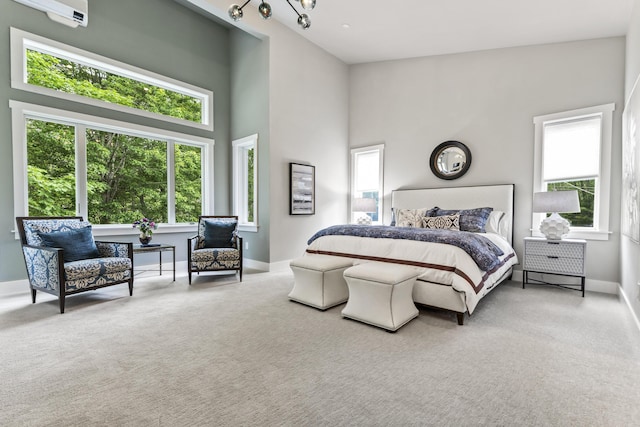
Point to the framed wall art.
(302, 189)
(630, 170)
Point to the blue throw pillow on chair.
(77, 243)
(219, 234)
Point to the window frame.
(22, 40)
(21, 112)
(241, 184)
(352, 187)
(600, 230)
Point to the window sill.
(121, 229)
(249, 228)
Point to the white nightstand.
(560, 257)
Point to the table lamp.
(364, 206)
(555, 202)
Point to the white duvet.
(438, 263)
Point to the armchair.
(63, 259)
(216, 247)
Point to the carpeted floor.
(221, 353)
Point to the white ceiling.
(386, 29)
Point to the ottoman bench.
(319, 281)
(381, 294)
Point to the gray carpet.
(227, 354)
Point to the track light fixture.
(235, 11)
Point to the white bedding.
(437, 263)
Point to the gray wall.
(250, 115)
(308, 93)
(487, 100)
(630, 251)
(158, 35)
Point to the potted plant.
(146, 227)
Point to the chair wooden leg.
(131, 287)
(33, 296)
(189, 276)
(61, 298)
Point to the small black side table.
(158, 247)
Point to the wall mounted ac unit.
(67, 12)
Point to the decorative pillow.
(443, 222)
(410, 217)
(493, 222)
(219, 234)
(77, 244)
(33, 228)
(473, 220)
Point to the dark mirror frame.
(433, 161)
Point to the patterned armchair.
(216, 247)
(63, 259)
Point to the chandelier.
(235, 11)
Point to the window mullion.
(82, 197)
(171, 182)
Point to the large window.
(573, 152)
(245, 182)
(110, 172)
(366, 183)
(45, 66)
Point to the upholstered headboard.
(499, 197)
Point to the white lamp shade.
(556, 201)
(361, 204)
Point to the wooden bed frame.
(499, 197)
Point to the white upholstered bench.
(319, 281)
(381, 294)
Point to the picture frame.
(302, 189)
(630, 224)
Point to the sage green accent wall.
(250, 115)
(157, 35)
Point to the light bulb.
(308, 4)
(265, 10)
(304, 21)
(235, 12)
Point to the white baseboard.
(629, 306)
(590, 285)
(258, 265)
(279, 266)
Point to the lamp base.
(554, 227)
(363, 220)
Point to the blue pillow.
(77, 244)
(473, 220)
(219, 234)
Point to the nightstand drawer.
(557, 249)
(553, 264)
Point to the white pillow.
(493, 222)
(409, 217)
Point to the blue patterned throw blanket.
(482, 250)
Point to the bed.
(456, 268)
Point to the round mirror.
(450, 160)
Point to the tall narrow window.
(245, 184)
(573, 152)
(367, 184)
